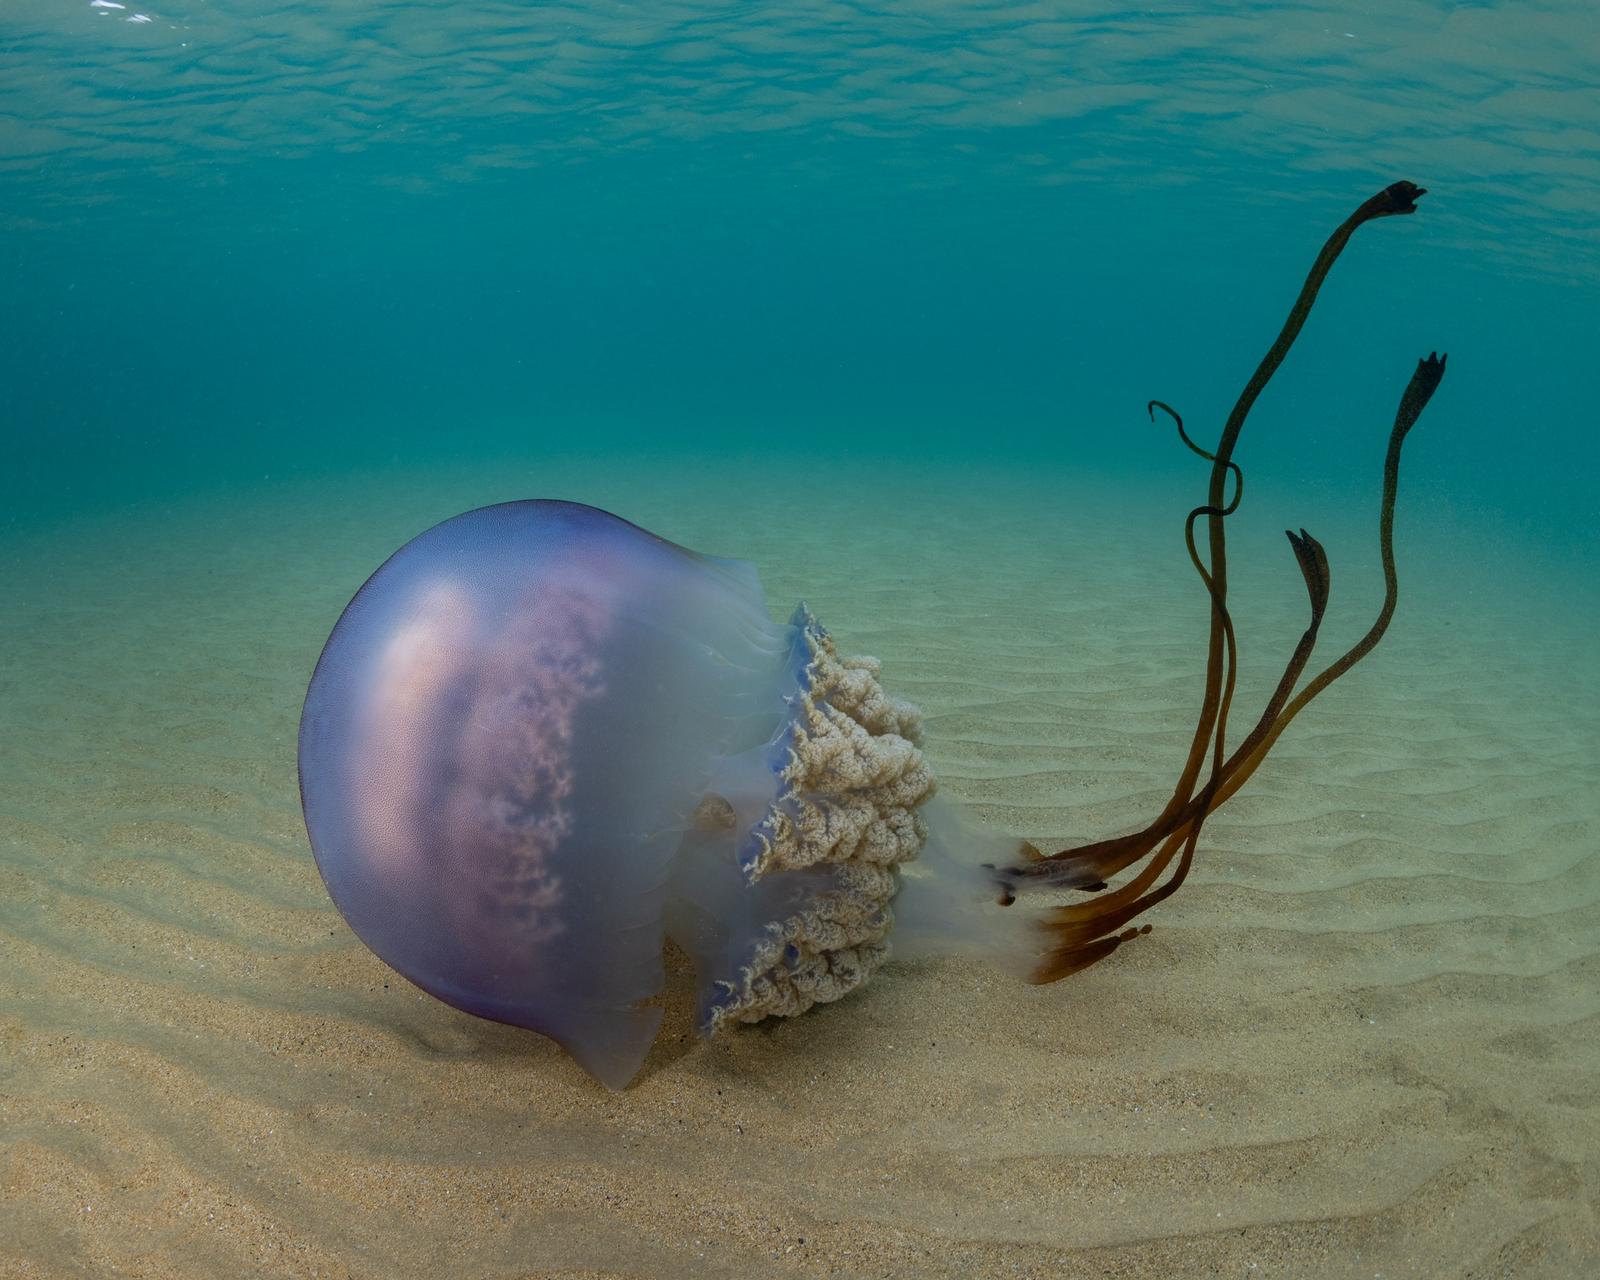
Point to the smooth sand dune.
(1363, 1041)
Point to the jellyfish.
(540, 741)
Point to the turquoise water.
(246, 242)
(873, 297)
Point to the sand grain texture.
(1363, 1041)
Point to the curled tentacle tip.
(1424, 382)
(1065, 961)
(1165, 408)
(1309, 552)
(1402, 196)
(1302, 553)
(1321, 554)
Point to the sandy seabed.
(1361, 1042)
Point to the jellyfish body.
(540, 739)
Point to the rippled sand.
(1362, 1041)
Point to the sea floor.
(1362, 1041)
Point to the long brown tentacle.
(1238, 476)
(1083, 934)
(1424, 382)
(1101, 915)
(1313, 562)
(1080, 866)
(1080, 935)
(1091, 863)
(1219, 607)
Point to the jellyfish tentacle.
(1094, 862)
(1314, 565)
(1424, 382)
(1219, 603)
(1085, 933)
(1238, 475)
(1128, 849)
(1079, 935)
(1397, 198)
(1077, 942)
(1313, 562)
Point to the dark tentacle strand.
(1083, 933)
(1238, 476)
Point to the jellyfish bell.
(541, 740)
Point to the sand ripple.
(1364, 1040)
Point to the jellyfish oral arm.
(1080, 934)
